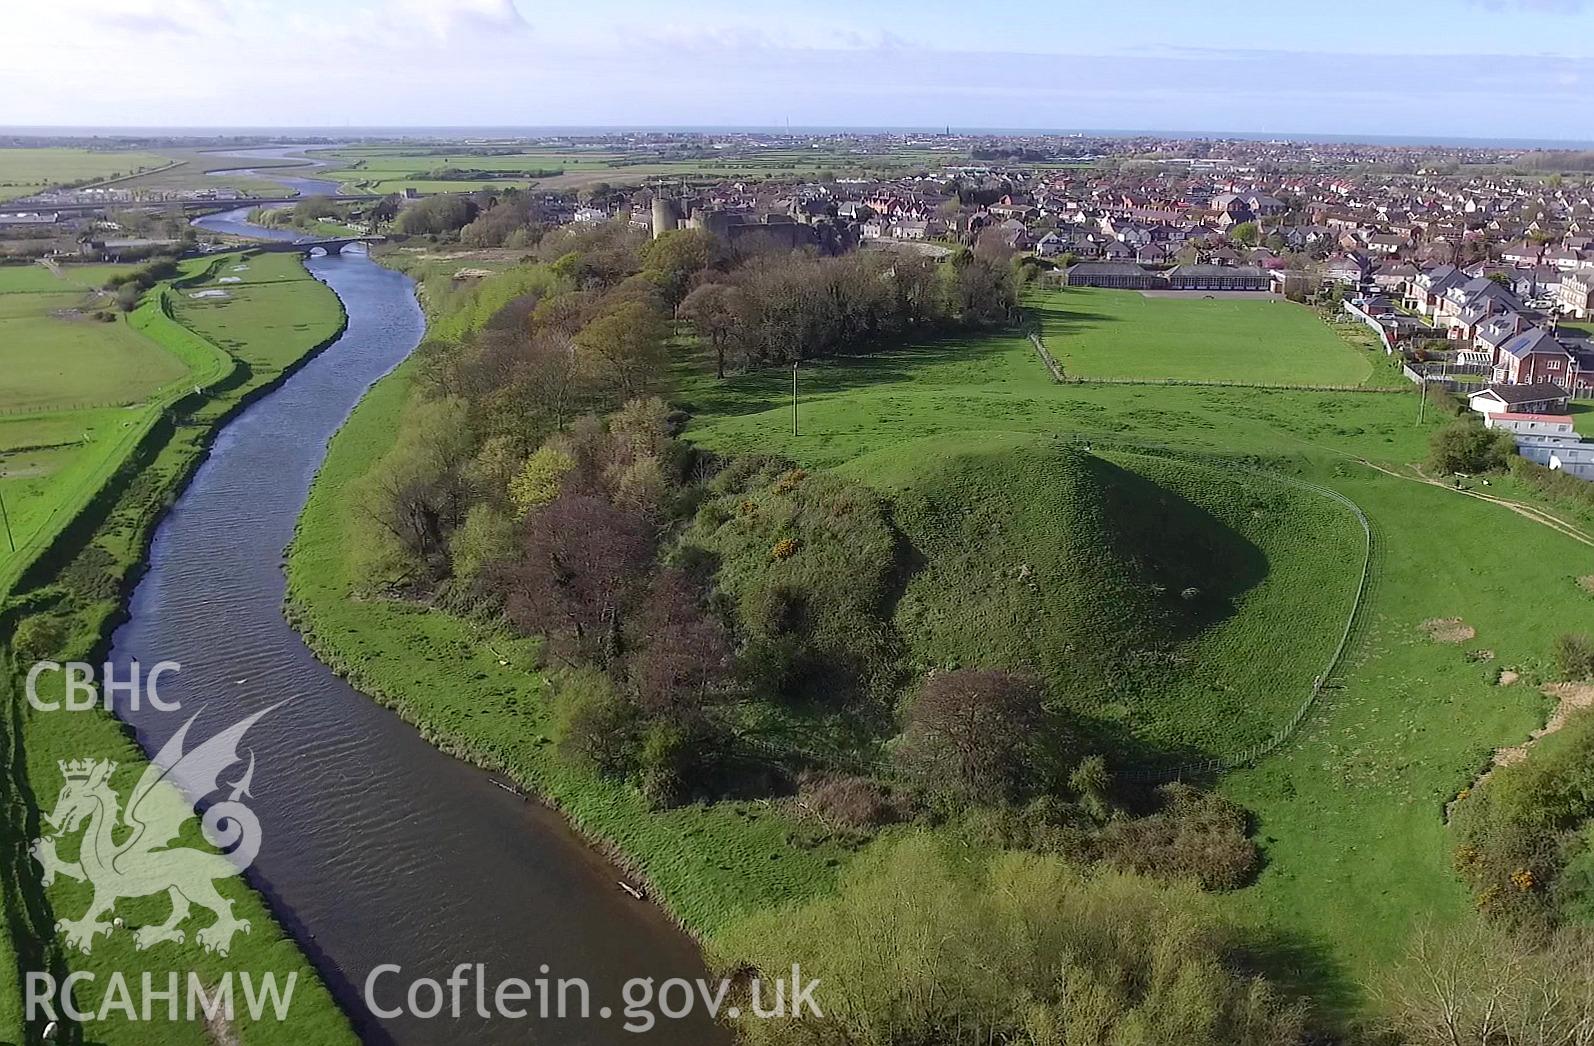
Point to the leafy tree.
(1248, 234)
(675, 258)
(417, 491)
(1023, 950)
(538, 480)
(713, 310)
(624, 348)
(486, 536)
(1466, 446)
(594, 725)
(436, 216)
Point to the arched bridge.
(331, 246)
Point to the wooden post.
(7, 521)
(794, 397)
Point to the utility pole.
(1422, 406)
(7, 521)
(794, 397)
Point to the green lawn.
(1125, 334)
(24, 172)
(265, 319)
(1583, 417)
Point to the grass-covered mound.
(1139, 589)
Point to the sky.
(1441, 68)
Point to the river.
(378, 848)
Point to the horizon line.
(1412, 138)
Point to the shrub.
(849, 800)
(1024, 948)
(40, 637)
(593, 725)
(1574, 656)
(1527, 825)
(1196, 836)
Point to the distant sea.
(1438, 140)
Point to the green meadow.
(103, 519)
(24, 172)
(977, 450)
(1097, 333)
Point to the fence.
(1372, 321)
(1286, 732)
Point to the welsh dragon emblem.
(131, 852)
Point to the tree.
(685, 651)
(1466, 446)
(712, 309)
(436, 216)
(976, 730)
(582, 564)
(1474, 986)
(1248, 234)
(919, 947)
(672, 260)
(538, 480)
(417, 490)
(624, 348)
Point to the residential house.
(1576, 295)
(1520, 399)
(1534, 357)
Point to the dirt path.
(1537, 515)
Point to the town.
(1475, 266)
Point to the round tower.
(666, 216)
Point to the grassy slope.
(1371, 768)
(1350, 813)
(443, 675)
(1124, 334)
(1108, 547)
(122, 516)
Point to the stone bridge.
(330, 246)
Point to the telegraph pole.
(1422, 406)
(794, 397)
(7, 521)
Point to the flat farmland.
(24, 172)
(57, 353)
(1124, 334)
(393, 169)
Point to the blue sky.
(1474, 68)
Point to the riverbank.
(78, 588)
(480, 696)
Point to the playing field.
(26, 171)
(1125, 334)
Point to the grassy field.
(1124, 334)
(395, 168)
(961, 432)
(80, 588)
(76, 395)
(266, 318)
(24, 172)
